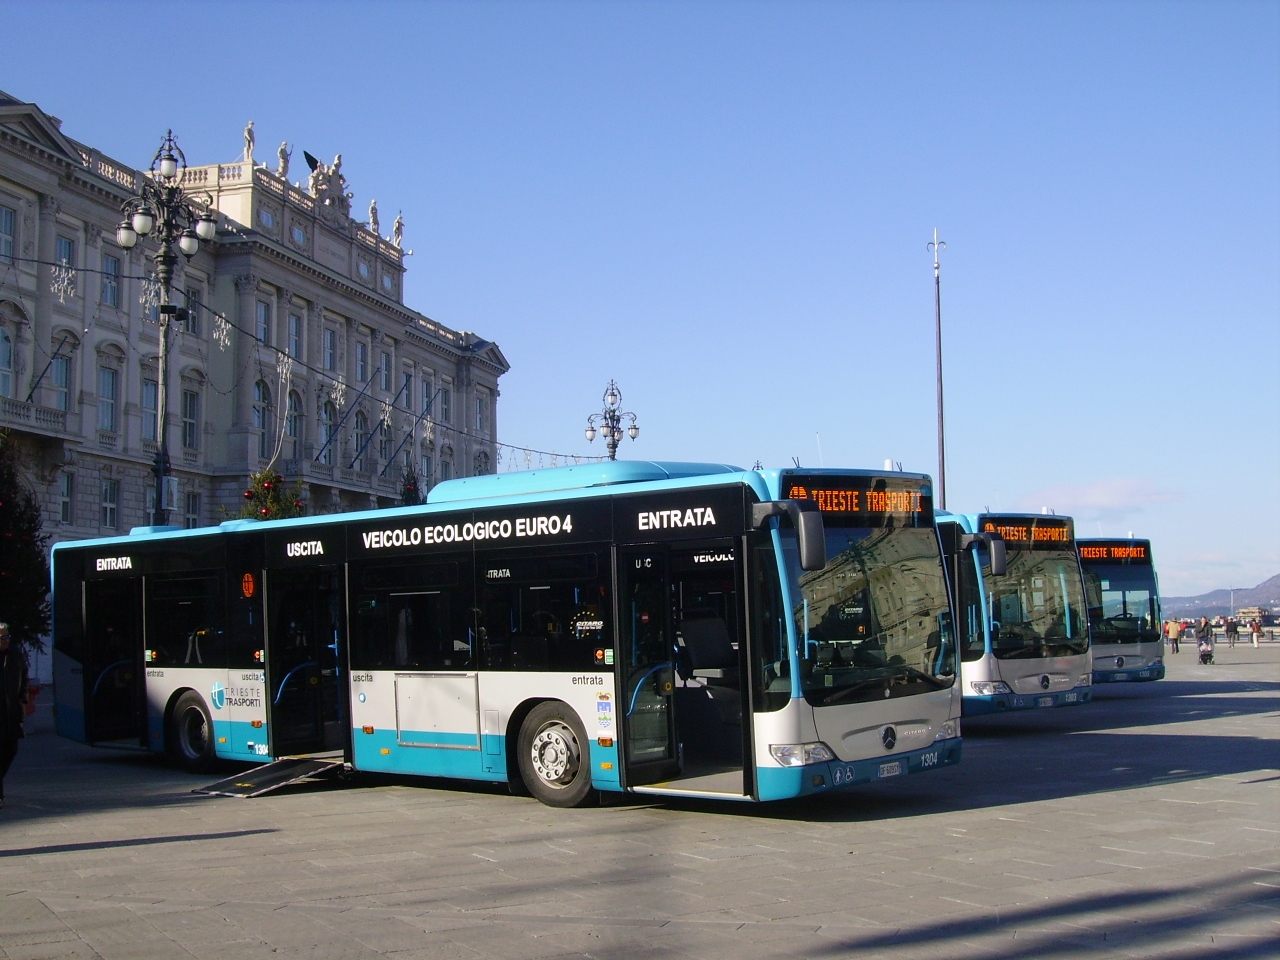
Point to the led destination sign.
(864, 501)
(1115, 551)
(1030, 533)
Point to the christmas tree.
(410, 489)
(268, 499)
(24, 564)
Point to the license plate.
(1122, 676)
(1044, 701)
(1144, 674)
(1071, 698)
(891, 769)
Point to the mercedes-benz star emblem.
(1044, 682)
(1119, 661)
(889, 737)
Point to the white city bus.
(661, 628)
(1124, 610)
(1023, 633)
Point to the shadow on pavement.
(133, 842)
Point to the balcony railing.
(20, 412)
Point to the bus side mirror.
(811, 537)
(993, 544)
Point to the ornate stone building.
(299, 351)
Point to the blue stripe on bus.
(381, 752)
(781, 783)
(69, 721)
(239, 735)
(1004, 702)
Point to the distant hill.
(1217, 603)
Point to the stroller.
(1205, 646)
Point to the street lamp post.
(165, 209)
(936, 247)
(610, 420)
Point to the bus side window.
(771, 667)
(185, 622)
(411, 617)
(969, 608)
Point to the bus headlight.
(1158, 662)
(949, 729)
(987, 688)
(1086, 680)
(799, 754)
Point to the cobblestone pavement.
(1144, 825)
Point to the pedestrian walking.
(1255, 630)
(1173, 631)
(13, 701)
(1233, 631)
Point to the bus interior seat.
(708, 651)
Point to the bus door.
(305, 682)
(114, 694)
(646, 666)
(682, 664)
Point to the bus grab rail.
(285, 681)
(105, 670)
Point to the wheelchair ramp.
(274, 775)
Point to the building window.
(191, 419)
(195, 309)
(446, 405)
(191, 515)
(446, 470)
(264, 322)
(66, 251)
(481, 414)
(384, 371)
(330, 350)
(362, 364)
(150, 396)
(262, 418)
(425, 475)
(293, 424)
(6, 364)
(328, 414)
(66, 488)
(362, 432)
(110, 281)
(110, 503)
(295, 336)
(384, 443)
(406, 388)
(60, 376)
(426, 394)
(8, 220)
(107, 380)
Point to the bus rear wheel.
(191, 734)
(555, 757)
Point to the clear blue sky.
(726, 206)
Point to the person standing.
(1255, 629)
(1233, 631)
(13, 700)
(1173, 630)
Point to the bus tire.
(191, 743)
(555, 756)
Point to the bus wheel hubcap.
(194, 733)
(555, 754)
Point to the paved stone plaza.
(1144, 825)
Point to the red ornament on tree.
(248, 494)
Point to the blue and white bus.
(1023, 631)
(1124, 610)
(660, 628)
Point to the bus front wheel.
(555, 757)
(191, 734)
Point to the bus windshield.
(1124, 605)
(1037, 606)
(874, 623)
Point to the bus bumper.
(1006, 702)
(1150, 672)
(780, 783)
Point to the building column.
(242, 382)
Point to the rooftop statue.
(249, 141)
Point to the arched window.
(328, 417)
(6, 364)
(293, 424)
(482, 463)
(362, 433)
(384, 442)
(262, 417)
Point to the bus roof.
(601, 474)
